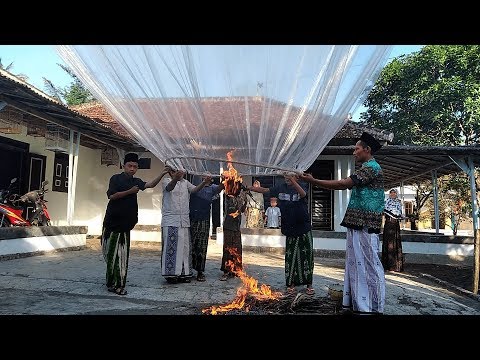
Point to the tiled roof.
(28, 99)
(215, 110)
(353, 130)
(96, 111)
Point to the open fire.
(249, 287)
(233, 186)
(231, 179)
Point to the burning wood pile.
(252, 298)
(284, 304)
(289, 304)
(262, 300)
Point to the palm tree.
(9, 68)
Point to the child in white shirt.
(273, 215)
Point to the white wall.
(92, 184)
(41, 243)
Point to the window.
(60, 173)
(321, 200)
(408, 208)
(144, 163)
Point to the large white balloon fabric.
(273, 108)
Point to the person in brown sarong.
(235, 204)
(392, 254)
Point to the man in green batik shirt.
(364, 282)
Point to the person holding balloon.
(296, 226)
(176, 250)
(364, 280)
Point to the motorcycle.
(13, 208)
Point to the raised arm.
(258, 189)
(121, 194)
(342, 184)
(219, 189)
(114, 194)
(177, 176)
(296, 185)
(205, 181)
(155, 181)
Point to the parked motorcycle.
(10, 214)
(13, 208)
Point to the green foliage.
(74, 94)
(431, 97)
(423, 192)
(454, 195)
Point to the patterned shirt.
(366, 205)
(255, 201)
(393, 208)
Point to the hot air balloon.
(270, 108)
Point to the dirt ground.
(461, 277)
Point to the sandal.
(224, 277)
(111, 288)
(200, 277)
(310, 291)
(291, 289)
(121, 291)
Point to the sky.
(38, 61)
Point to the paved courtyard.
(72, 283)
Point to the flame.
(249, 287)
(232, 180)
(235, 214)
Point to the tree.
(454, 192)
(431, 97)
(423, 191)
(74, 94)
(9, 68)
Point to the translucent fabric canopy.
(265, 108)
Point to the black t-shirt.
(122, 214)
(295, 216)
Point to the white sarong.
(364, 282)
(176, 259)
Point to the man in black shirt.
(120, 217)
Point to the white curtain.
(273, 107)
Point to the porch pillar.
(349, 172)
(435, 201)
(340, 192)
(402, 198)
(466, 164)
(72, 175)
